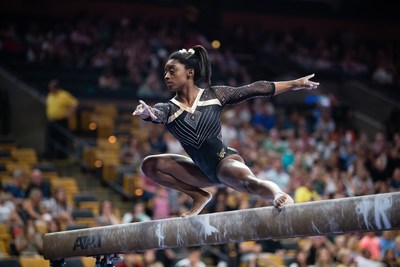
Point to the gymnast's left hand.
(144, 111)
(305, 83)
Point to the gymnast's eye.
(170, 70)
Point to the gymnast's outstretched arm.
(232, 95)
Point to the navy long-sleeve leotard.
(198, 128)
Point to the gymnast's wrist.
(146, 118)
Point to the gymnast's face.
(177, 76)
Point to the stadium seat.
(33, 261)
(9, 262)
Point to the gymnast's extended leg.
(179, 173)
(234, 173)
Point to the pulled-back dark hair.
(199, 61)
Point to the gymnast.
(192, 116)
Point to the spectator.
(107, 214)
(264, 118)
(166, 256)
(249, 251)
(152, 88)
(305, 192)
(397, 249)
(324, 258)
(228, 129)
(394, 181)
(218, 203)
(300, 259)
(53, 226)
(345, 258)
(33, 207)
(379, 169)
(363, 260)
(387, 241)
(137, 215)
(16, 187)
(58, 207)
(149, 188)
(8, 211)
(363, 184)
(318, 244)
(108, 80)
(274, 143)
(29, 242)
(325, 124)
(38, 181)
(389, 259)
(60, 106)
(156, 140)
(11, 40)
(160, 204)
(278, 175)
(384, 73)
(193, 259)
(101, 59)
(392, 157)
(132, 154)
(370, 244)
(379, 144)
(131, 260)
(150, 259)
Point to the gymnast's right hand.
(143, 110)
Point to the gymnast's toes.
(282, 199)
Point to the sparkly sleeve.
(233, 95)
(161, 110)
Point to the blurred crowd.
(311, 151)
(130, 52)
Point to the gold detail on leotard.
(221, 154)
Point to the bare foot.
(282, 199)
(199, 203)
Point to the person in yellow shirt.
(305, 192)
(60, 106)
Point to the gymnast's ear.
(190, 73)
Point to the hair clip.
(190, 51)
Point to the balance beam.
(353, 214)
